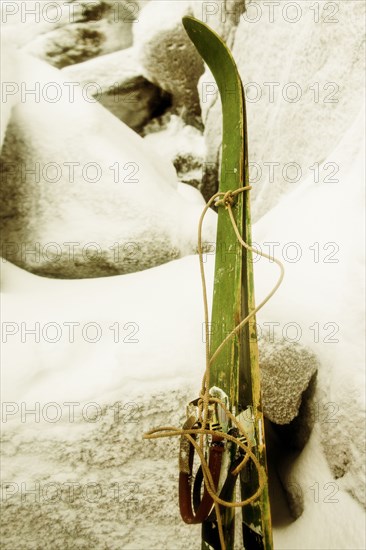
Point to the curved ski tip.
(193, 25)
(189, 21)
(195, 28)
(210, 45)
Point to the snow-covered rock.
(302, 92)
(11, 74)
(182, 144)
(107, 70)
(222, 17)
(286, 373)
(140, 296)
(126, 354)
(89, 365)
(318, 232)
(122, 355)
(69, 32)
(167, 56)
(83, 195)
(121, 88)
(331, 519)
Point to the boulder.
(9, 67)
(83, 195)
(72, 432)
(168, 57)
(71, 32)
(346, 462)
(286, 370)
(222, 17)
(321, 310)
(298, 104)
(80, 388)
(120, 87)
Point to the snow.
(294, 49)
(155, 300)
(135, 199)
(332, 519)
(148, 353)
(333, 293)
(177, 138)
(165, 304)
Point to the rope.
(227, 200)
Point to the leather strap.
(201, 506)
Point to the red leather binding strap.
(202, 506)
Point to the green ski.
(235, 370)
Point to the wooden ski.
(235, 370)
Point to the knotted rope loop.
(229, 198)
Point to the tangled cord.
(227, 200)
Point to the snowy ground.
(111, 357)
